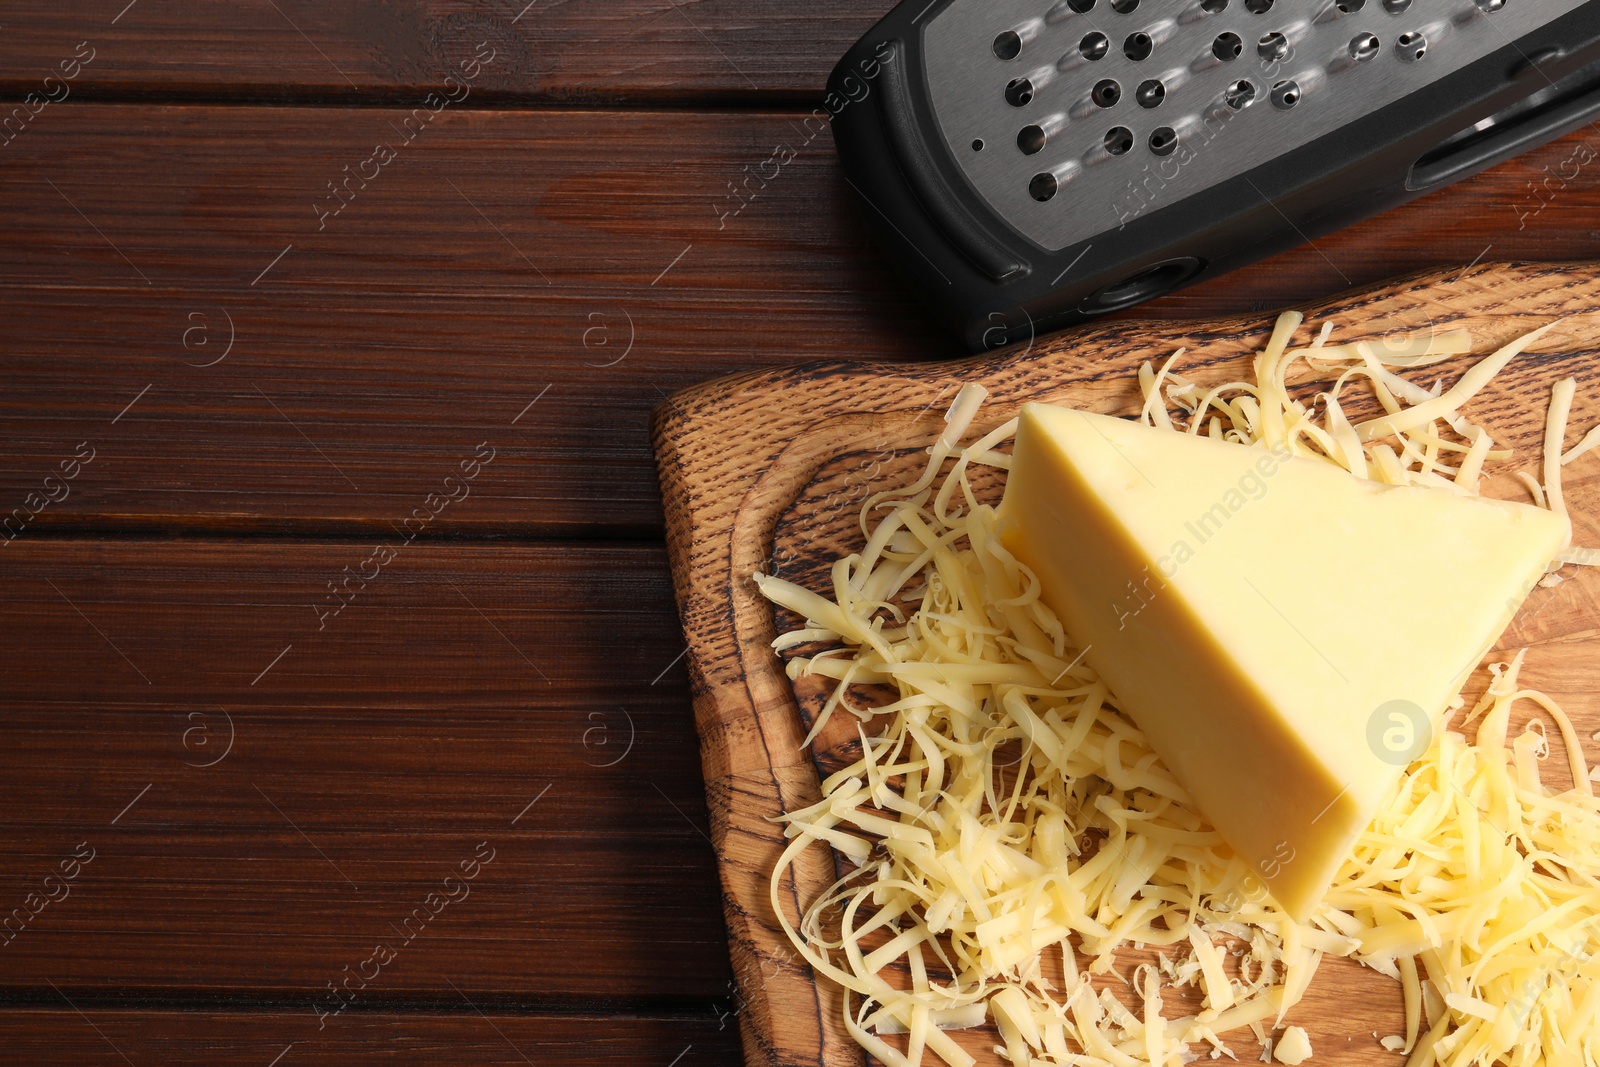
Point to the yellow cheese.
(1284, 633)
(1293, 1048)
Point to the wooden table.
(345, 718)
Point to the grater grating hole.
(1227, 46)
(1240, 94)
(1150, 93)
(1411, 46)
(1163, 139)
(1030, 139)
(1124, 7)
(977, 144)
(1043, 187)
(1094, 45)
(1491, 5)
(1273, 47)
(1019, 91)
(1082, 7)
(1106, 93)
(1258, 7)
(1138, 46)
(1213, 7)
(1007, 45)
(1364, 46)
(1285, 95)
(1396, 7)
(1350, 7)
(1118, 140)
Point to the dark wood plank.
(516, 204)
(369, 761)
(543, 49)
(381, 350)
(115, 1038)
(339, 411)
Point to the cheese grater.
(1033, 163)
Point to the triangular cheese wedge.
(1284, 633)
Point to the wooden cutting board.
(767, 471)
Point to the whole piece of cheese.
(1285, 633)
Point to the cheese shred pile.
(1007, 830)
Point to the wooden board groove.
(735, 456)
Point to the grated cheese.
(1555, 432)
(1590, 442)
(1004, 812)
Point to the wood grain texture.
(380, 349)
(546, 50)
(99, 1037)
(267, 801)
(736, 455)
(518, 242)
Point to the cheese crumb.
(1293, 1048)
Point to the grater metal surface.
(1033, 163)
(1072, 116)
